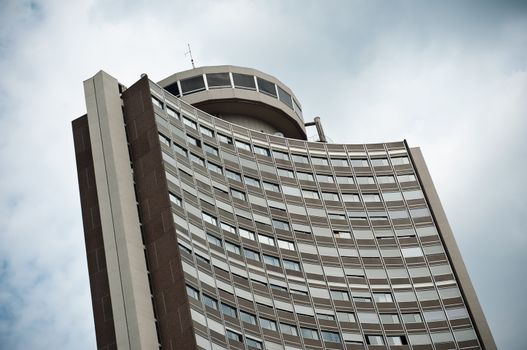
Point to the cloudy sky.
(448, 76)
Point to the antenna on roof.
(189, 52)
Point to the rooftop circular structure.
(243, 96)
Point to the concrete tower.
(211, 223)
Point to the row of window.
(298, 158)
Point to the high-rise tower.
(210, 223)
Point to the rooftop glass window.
(173, 89)
(285, 97)
(192, 84)
(266, 87)
(243, 81)
(218, 80)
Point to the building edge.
(131, 304)
(465, 284)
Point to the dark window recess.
(192, 84)
(266, 87)
(217, 80)
(243, 81)
(173, 89)
(285, 97)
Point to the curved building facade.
(205, 230)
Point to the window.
(233, 335)
(396, 340)
(192, 292)
(284, 97)
(251, 182)
(281, 225)
(197, 160)
(266, 87)
(213, 240)
(325, 178)
(180, 150)
(210, 302)
(192, 84)
(345, 180)
(268, 324)
(331, 337)
(434, 315)
(309, 333)
(227, 227)
(231, 247)
(173, 113)
(385, 179)
(225, 139)
(342, 234)
(251, 254)
(232, 175)
(365, 180)
(340, 295)
(285, 173)
(164, 140)
(286, 244)
(266, 239)
(214, 168)
(330, 196)
(370, 197)
(291, 265)
(305, 176)
(380, 162)
(243, 81)
(271, 186)
(412, 252)
(368, 317)
(359, 163)
(400, 161)
(174, 199)
(383, 297)
(190, 123)
(193, 141)
(406, 178)
(261, 150)
(297, 158)
(411, 318)
(288, 329)
(209, 218)
(389, 318)
(416, 194)
(247, 234)
(322, 316)
(280, 155)
(253, 343)
(310, 194)
(211, 150)
(350, 197)
(339, 162)
(319, 161)
(247, 317)
(218, 80)
(157, 102)
(242, 145)
(206, 131)
(374, 340)
(345, 316)
(454, 314)
(228, 310)
(238, 194)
